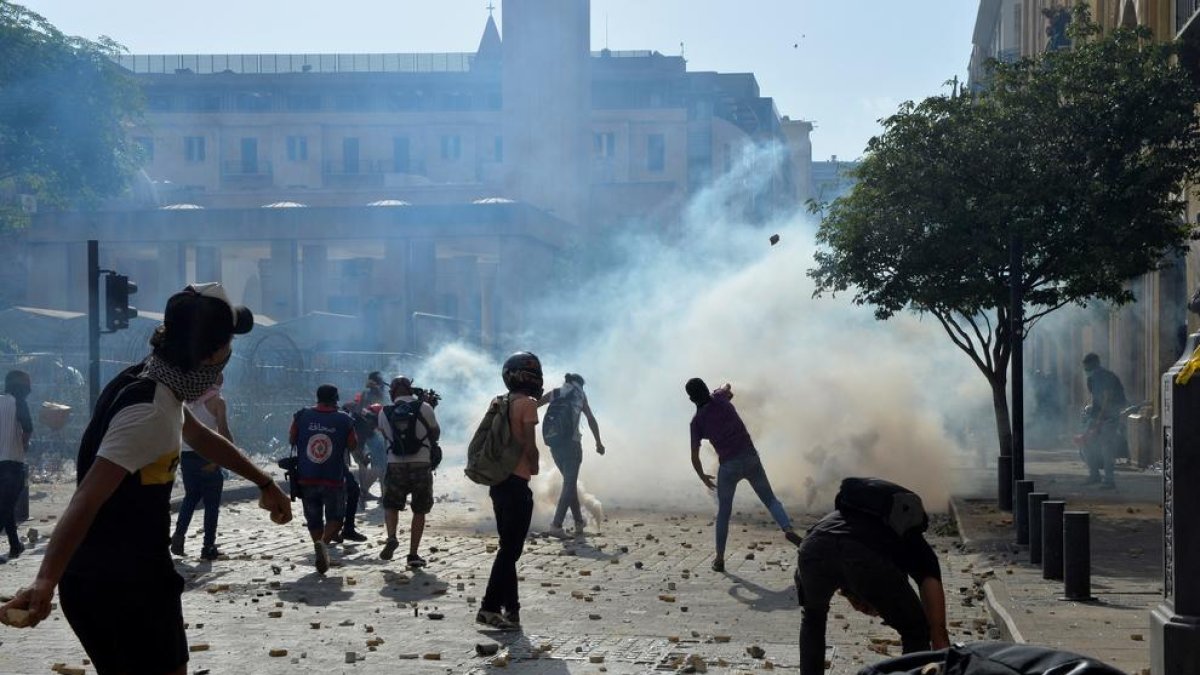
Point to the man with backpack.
(503, 455)
(411, 432)
(868, 548)
(718, 421)
(560, 431)
(323, 437)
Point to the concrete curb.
(995, 591)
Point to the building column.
(279, 287)
(208, 263)
(389, 306)
(170, 272)
(487, 272)
(314, 279)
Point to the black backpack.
(897, 507)
(561, 422)
(404, 417)
(992, 658)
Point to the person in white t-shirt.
(16, 426)
(109, 557)
(203, 481)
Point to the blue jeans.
(734, 470)
(199, 485)
(568, 457)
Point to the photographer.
(411, 431)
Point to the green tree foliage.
(1082, 152)
(64, 105)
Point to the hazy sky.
(840, 63)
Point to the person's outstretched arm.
(933, 599)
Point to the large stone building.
(411, 185)
(1138, 341)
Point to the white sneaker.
(557, 532)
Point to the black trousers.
(352, 495)
(828, 563)
(512, 503)
(12, 480)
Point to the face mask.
(187, 386)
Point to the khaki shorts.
(403, 480)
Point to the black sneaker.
(15, 551)
(415, 561)
(495, 620)
(513, 617)
(792, 537)
(209, 552)
(177, 546)
(389, 549)
(353, 535)
(718, 565)
(322, 554)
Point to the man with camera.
(411, 431)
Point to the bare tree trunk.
(1000, 407)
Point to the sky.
(842, 64)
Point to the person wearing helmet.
(512, 500)
(109, 555)
(718, 421)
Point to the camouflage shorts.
(403, 480)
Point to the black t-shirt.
(911, 553)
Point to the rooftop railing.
(254, 64)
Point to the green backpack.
(493, 452)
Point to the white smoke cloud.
(825, 389)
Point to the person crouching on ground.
(110, 550)
(323, 437)
(718, 421)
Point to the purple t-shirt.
(719, 422)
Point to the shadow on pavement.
(759, 598)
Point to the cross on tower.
(491, 6)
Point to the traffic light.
(117, 312)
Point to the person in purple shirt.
(718, 421)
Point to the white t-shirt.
(12, 447)
(421, 456)
(146, 437)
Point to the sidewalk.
(1126, 544)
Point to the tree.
(64, 106)
(1081, 152)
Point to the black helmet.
(523, 373)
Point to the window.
(193, 148)
(451, 147)
(250, 156)
(202, 103)
(656, 153)
(158, 102)
(350, 155)
(304, 102)
(604, 145)
(253, 101)
(401, 157)
(498, 148)
(297, 148)
(146, 146)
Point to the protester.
(560, 431)
(1104, 441)
(512, 500)
(323, 437)
(109, 555)
(16, 426)
(410, 430)
(202, 480)
(365, 410)
(718, 421)
(869, 557)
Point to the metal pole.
(1077, 556)
(93, 254)
(1021, 510)
(1052, 539)
(1036, 499)
(1017, 335)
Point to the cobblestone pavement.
(637, 596)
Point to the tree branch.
(961, 340)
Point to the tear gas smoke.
(825, 389)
